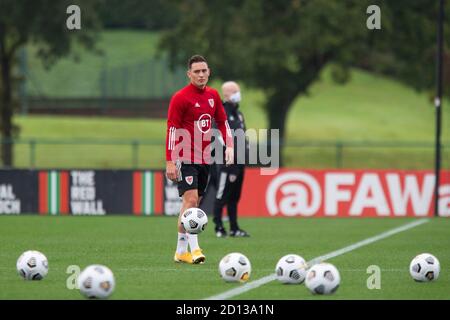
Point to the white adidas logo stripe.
(172, 131)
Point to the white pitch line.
(257, 283)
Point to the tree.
(281, 46)
(405, 49)
(42, 22)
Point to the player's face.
(199, 74)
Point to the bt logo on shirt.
(204, 123)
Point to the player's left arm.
(222, 124)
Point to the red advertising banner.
(343, 193)
(289, 193)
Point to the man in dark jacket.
(229, 178)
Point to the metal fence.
(147, 79)
(135, 154)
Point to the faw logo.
(300, 194)
(204, 123)
(356, 194)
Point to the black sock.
(218, 215)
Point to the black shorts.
(193, 176)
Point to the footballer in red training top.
(191, 111)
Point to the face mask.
(236, 97)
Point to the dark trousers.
(228, 181)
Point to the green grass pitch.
(139, 250)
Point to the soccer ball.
(323, 278)
(32, 265)
(194, 220)
(424, 267)
(235, 267)
(291, 269)
(96, 282)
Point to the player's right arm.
(174, 120)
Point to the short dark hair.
(196, 58)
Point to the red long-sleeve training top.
(189, 118)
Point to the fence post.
(32, 153)
(135, 153)
(103, 86)
(124, 81)
(339, 147)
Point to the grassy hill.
(79, 74)
(368, 108)
(124, 64)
